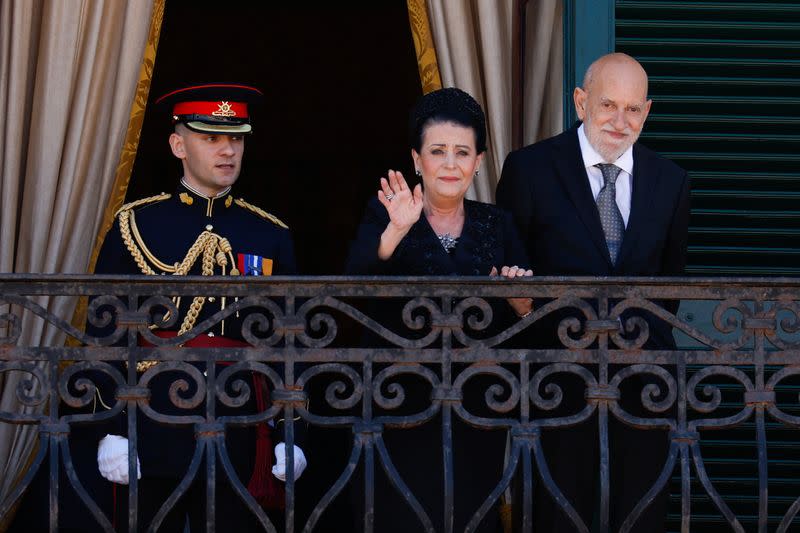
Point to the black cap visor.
(211, 124)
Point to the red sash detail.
(267, 490)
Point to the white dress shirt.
(624, 180)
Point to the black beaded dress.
(488, 239)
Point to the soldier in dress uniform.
(202, 228)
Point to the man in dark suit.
(592, 201)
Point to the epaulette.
(260, 212)
(143, 201)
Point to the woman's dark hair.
(447, 105)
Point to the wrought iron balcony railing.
(395, 354)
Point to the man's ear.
(579, 97)
(176, 143)
(647, 105)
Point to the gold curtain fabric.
(423, 44)
(127, 156)
(68, 74)
(474, 47)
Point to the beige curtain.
(543, 109)
(68, 74)
(474, 47)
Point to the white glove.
(112, 459)
(279, 470)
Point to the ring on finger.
(389, 196)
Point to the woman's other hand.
(403, 207)
(522, 306)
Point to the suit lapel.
(569, 165)
(645, 175)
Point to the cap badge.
(224, 110)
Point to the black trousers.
(636, 458)
(231, 512)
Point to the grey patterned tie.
(610, 217)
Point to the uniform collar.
(189, 196)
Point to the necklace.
(448, 242)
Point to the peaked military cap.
(213, 107)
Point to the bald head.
(616, 65)
(613, 104)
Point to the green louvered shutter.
(725, 84)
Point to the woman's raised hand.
(404, 209)
(402, 205)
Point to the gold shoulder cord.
(143, 201)
(214, 248)
(260, 212)
(124, 214)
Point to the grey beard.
(608, 157)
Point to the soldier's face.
(211, 162)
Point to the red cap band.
(216, 109)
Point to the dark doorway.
(339, 80)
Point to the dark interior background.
(339, 80)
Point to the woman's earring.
(418, 173)
(477, 173)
